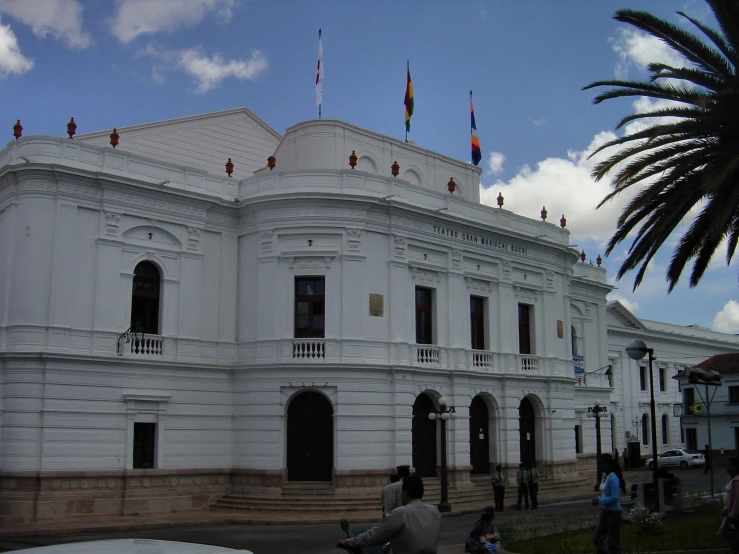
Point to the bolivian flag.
(408, 101)
(476, 153)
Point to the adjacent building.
(718, 401)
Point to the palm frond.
(686, 156)
(724, 46)
(687, 44)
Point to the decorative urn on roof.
(395, 168)
(71, 128)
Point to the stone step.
(322, 500)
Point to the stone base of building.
(27, 497)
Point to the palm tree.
(689, 155)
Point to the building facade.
(717, 402)
(675, 348)
(211, 306)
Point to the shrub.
(648, 523)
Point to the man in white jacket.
(413, 528)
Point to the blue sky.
(117, 63)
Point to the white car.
(131, 546)
(679, 458)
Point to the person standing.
(625, 456)
(534, 486)
(402, 473)
(388, 496)
(522, 482)
(413, 528)
(500, 481)
(609, 522)
(730, 527)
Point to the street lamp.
(709, 378)
(444, 413)
(636, 350)
(595, 411)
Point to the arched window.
(573, 336)
(145, 299)
(665, 430)
(645, 429)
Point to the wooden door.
(310, 438)
(423, 433)
(479, 440)
(527, 432)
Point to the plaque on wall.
(376, 302)
(560, 329)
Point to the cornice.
(646, 334)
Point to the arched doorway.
(423, 432)
(479, 436)
(527, 429)
(310, 438)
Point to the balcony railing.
(309, 349)
(529, 363)
(141, 346)
(482, 359)
(427, 355)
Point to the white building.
(675, 348)
(700, 400)
(170, 333)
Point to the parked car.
(131, 546)
(679, 458)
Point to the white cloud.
(727, 320)
(495, 163)
(538, 121)
(566, 188)
(60, 19)
(11, 59)
(639, 49)
(630, 305)
(139, 17)
(208, 71)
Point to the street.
(320, 539)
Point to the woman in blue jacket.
(609, 523)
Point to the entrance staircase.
(319, 502)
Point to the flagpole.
(319, 80)
(408, 69)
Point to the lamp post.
(444, 413)
(709, 378)
(595, 411)
(636, 350)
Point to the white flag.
(319, 73)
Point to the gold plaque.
(560, 329)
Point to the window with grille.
(310, 310)
(424, 316)
(144, 445)
(477, 323)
